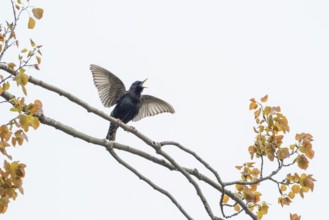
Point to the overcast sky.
(206, 58)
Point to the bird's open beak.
(144, 84)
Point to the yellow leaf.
(283, 188)
(238, 167)
(297, 137)
(295, 217)
(30, 53)
(253, 105)
(262, 210)
(12, 35)
(36, 108)
(267, 110)
(24, 50)
(252, 150)
(35, 123)
(283, 153)
(225, 199)
(32, 43)
(295, 188)
(306, 149)
(301, 193)
(291, 195)
(292, 147)
(284, 201)
(31, 23)
(37, 12)
(275, 109)
(20, 136)
(307, 181)
(255, 172)
(239, 187)
(24, 90)
(0, 47)
(24, 122)
(264, 99)
(21, 78)
(3, 208)
(5, 134)
(2, 39)
(21, 190)
(237, 207)
(6, 86)
(251, 196)
(38, 59)
(13, 141)
(257, 113)
(302, 162)
(250, 164)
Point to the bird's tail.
(111, 133)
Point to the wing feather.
(151, 106)
(110, 87)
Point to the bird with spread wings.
(130, 104)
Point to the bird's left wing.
(151, 105)
(110, 87)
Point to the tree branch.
(255, 181)
(148, 181)
(156, 146)
(195, 156)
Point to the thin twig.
(196, 156)
(261, 166)
(148, 181)
(258, 180)
(5, 79)
(222, 208)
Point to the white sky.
(206, 58)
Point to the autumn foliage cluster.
(271, 128)
(13, 132)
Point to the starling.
(130, 105)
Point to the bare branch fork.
(169, 162)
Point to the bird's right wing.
(110, 87)
(151, 105)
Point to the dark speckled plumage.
(130, 105)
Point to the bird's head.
(137, 87)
